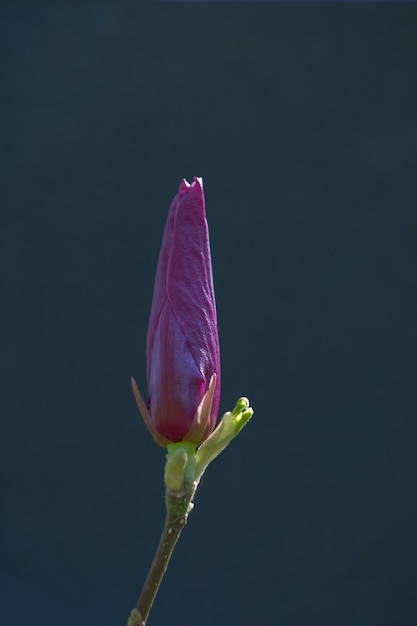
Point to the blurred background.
(301, 119)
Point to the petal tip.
(184, 187)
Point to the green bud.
(229, 426)
(135, 618)
(241, 404)
(180, 466)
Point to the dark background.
(302, 121)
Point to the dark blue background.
(302, 121)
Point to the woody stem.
(178, 504)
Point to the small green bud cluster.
(229, 426)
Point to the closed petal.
(175, 380)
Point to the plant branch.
(179, 504)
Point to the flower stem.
(178, 504)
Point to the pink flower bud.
(182, 346)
